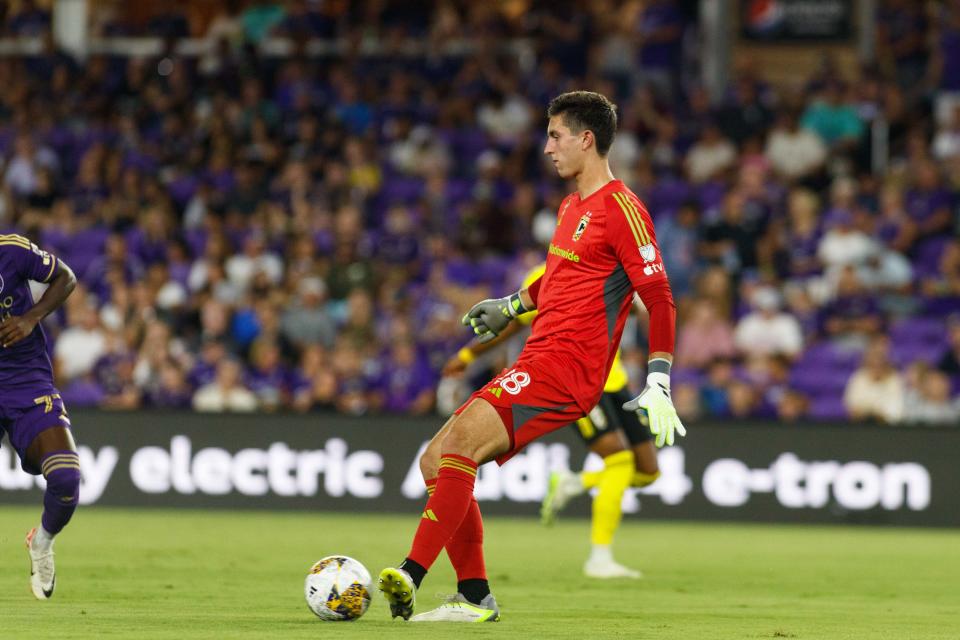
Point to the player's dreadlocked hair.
(587, 110)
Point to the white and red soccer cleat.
(43, 576)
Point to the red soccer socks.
(445, 512)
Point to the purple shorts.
(23, 424)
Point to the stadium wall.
(759, 472)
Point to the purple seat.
(922, 330)
(470, 143)
(494, 270)
(668, 194)
(687, 376)
(826, 355)
(404, 190)
(827, 407)
(942, 306)
(927, 261)
(907, 353)
(819, 380)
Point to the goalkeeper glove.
(655, 398)
(490, 317)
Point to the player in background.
(31, 411)
(603, 250)
(620, 437)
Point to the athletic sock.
(42, 540)
(474, 589)
(415, 570)
(600, 553)
(465, 548)
(62, 472)
(618, 470)
(590, 479)
(445, 509)
(641, 479)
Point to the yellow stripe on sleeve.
(627, 214)
(638, 218)
(14, 237)
(14, 243)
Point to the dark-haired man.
(603, 250)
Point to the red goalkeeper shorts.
(530, 402)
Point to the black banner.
(795, 20)
(766, 472)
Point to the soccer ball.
(338, 588)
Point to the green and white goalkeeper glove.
(655, 398)
(489, 317)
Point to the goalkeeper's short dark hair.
(587, 110)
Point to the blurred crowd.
(303, 231)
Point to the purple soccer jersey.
(29, 403)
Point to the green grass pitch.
(201, 574)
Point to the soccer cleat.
(43, 577)
(563, 486)
(398, 588)
(457, 608)
(608, 569)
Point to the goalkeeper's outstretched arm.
(490, 317)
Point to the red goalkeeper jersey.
(604, 248)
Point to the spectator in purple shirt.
(354, 385)
(399, 244)
(803, 233)
(901, 39)
(204, 369)
(315, 381)
(946, 282)
(29, 20)
(853, 316)
(949, 362)
(945, 62)
(893, 227)
(407, 381)
(928, 202)
(116, 262)
(679, 238)
(172, 390)
(660, 32)
(267, 377)
(113, 373)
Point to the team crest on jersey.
(581, 226)
(648, 252)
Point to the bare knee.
(608, 444)
(430, 460)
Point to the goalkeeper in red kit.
(603, 250)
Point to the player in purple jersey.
(31, 411)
